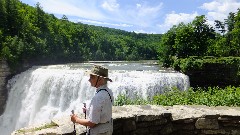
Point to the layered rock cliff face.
(154, 120)
(4, 74)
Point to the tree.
(64, 18)
(235, 34)
(184, 42)
(3, 16)
(220, 26)
(41, 19)
(166, 47)
(13, 21)
(203, 34)
(230, 21)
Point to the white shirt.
(99, 110)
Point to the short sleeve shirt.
(100, 107)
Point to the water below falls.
(42, 93)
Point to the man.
(99, 111)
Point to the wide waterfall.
(45, 92)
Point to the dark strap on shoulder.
(106, 91)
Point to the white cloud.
(138, 5)
(145, 10)
(106, 12)
(175, 19)
(141, 14)
(72, 8)
(143, 31)
(219, 9)
(103, 23)
(110, 5)
(136, 14)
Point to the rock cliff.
(4, 74)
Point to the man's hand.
(74, 118)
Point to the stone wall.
(158, 120)
(4, 74)
(164, 125)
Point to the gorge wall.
(155, 120)
(4, 74)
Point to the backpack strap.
(107, 92)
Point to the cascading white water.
(42, 93)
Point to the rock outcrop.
(4, 74)
(155, 120)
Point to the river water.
(45, 92)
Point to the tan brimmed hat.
(99, 71)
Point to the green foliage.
(29, 34)
(191, 63)
(184, 43)
(166, 50)
(184, 40)
(198, 38)
(198, 63)
(123, 99)
(228, 96)
(12, 50)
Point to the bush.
(199, 63)
(211, 96)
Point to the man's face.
(92, 80)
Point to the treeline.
(28, 34)
(199, 39)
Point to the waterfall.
(42, 93)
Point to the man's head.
(98, 76)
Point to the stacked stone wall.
(164, 125)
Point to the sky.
(140, 16)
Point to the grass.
(48, 125)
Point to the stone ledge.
(146, 119)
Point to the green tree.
(235, 36)
(220, 26)
(13, 21)
(41, 18)
(184, 41)
(3, 16)
(230, 21)
(203, 35)
(166, 47)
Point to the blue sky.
(140, 16)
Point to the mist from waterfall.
(43, 93)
